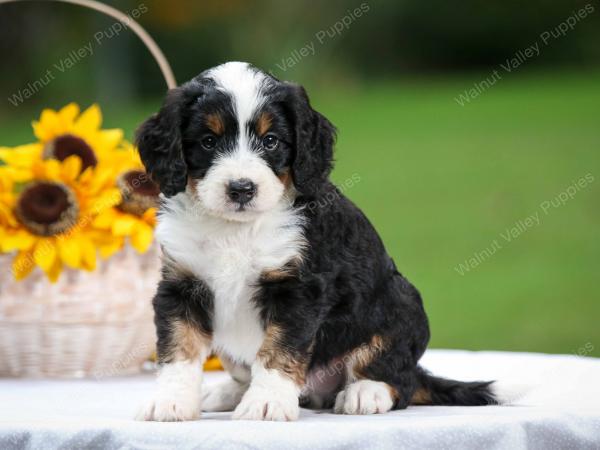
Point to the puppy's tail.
(434, 390)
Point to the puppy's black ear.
(315, 137)
(159, 142)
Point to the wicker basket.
(88, 324)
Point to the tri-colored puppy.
(268, 265)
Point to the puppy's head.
(237, 140)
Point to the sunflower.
(49, 223)
(139, 192)
(120, 225)
(19, 160)
(65, 133)
(80, 190)
(135, 217)
(7, 218)
(7, 198)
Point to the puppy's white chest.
(232, 273)
(230, 257)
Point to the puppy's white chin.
(222, 208)
(247, 215)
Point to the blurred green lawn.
(441, 182)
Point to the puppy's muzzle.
(241, 191)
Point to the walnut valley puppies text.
(74, 57)
(321, 37)
(524, 55)
(525, 224)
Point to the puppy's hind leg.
(373, 381)
(382, 373)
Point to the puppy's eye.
(209, 142)
(270, 141)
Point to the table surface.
(561, 410)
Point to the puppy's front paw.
(262, 404)
(170, 409)
(177, 395)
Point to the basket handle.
(150, 44)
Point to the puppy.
(267, 264)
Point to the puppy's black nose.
(241, 191)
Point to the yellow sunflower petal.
(48, 127)
(86, 176)
(18, 175)
(67, 114)
(100, 180)
(38, 170)
(105, 219)
(89, 121)
(124, 225)
(129, 156)
(69, 252)
(47, 170)
(142, 237)
(54, 272)
(88, 254)
(111, 247)
(19, 240)
(7, 217)
(22, 155)
(149, 216)
(136, 159)
(6, 181)
(108, 199)
(22, 265)
(111, 138)
(71, 168)
(45, 254)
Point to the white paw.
(172, 409)
(224, 396)
(364, 397)
(178, 393)
(262, 404)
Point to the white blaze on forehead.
(245, 85)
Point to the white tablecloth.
(561, 411)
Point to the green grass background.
(441, 182)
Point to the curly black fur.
(347, 290)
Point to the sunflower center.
(139, 192)
(68, 145)
(139, 182)
(47, 208)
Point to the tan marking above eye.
(263, 124)
(215, 123)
